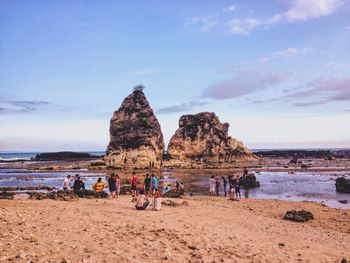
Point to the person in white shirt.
(66, 183)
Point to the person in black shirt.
(147, 184)
(224, 180)
(78, 184)
(112, 186)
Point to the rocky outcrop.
(298, 216)
(202, 137)
(343, 185)
(136, 139)
(61, 156)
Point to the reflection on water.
(301, 186)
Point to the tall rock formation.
(202, 137)
(136, 139)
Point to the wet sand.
(208, 229)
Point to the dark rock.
(249, 181)
(7, 195)
(31, 188)
(61, 156)
(298, 216)
(136, 138)
(66, 195)
(342, 185)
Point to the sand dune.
(208, 229)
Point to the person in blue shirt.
(154, 184)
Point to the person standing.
(112, 186)
(212, 185)
(134, 185)
(224, 181)
(117, 184)
(154, 184)
(66, 183)
(217, 186)
(147, 185)
(237, 188)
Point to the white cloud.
(293, 52)
(299, 10)
(243, 26)
(303, 10)
(206, 23)
(228, 9)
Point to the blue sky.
(277, 71)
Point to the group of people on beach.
(140, 192)
(231, 184)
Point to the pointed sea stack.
(202, 137)
(136, 139)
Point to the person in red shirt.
(134, 184)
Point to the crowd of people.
(141, 191)
(231, 185)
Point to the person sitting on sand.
(212, 185)
(142, 201)
(147, 184)
(117, 184)
(78, 184)
(112, 186)
(99, 186)
(134, 185)
(66, 183)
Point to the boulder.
(342, 185)
(298, 216)
(136, 138)
(203, 138)
(249, 181)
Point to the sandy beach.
(203, 229)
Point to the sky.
(277, 71)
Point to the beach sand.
(207, 229)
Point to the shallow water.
(300, 186)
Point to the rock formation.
(136, 139)
(342, 185)
(202, 137)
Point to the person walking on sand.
(142, 201)
(112, 186)
(217, 186)
(147, 185)
(212, 185)
(134, 185)
(117, 184)
(154, 184)
(66, 183)
(224, 181)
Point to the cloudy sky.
(277, 71)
